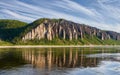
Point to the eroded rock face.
(113, 35)
(64, 29)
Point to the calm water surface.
(60, 61)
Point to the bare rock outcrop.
(63, 29)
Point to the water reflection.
(10, 58)
(65, 58)
(56, 60)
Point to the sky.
(103, 14)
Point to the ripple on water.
(105, 68)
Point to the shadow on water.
(10, 58)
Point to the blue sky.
(103, 14)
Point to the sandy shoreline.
(57, 46)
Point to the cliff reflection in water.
(66, 57)
(60, 61)
(48, 58)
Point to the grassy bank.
(62, 42)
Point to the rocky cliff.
(63, 29)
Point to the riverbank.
(56, 46)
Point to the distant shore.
(57, 46)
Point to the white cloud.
(108, 9)
(71, 5)
(99, 17)
(15, 15)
